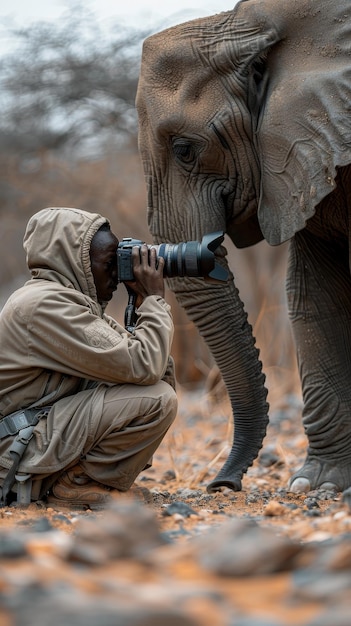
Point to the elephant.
(245, 127)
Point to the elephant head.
(241, 129)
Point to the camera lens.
(192, 258)
(181, 259)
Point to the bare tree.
(70, 85)
(67, 92)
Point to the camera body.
(124, 258)
(190, 258)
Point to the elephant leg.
(319, 297)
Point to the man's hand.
(148, 273)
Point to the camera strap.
(130, 317)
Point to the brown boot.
(75, 489)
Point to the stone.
(179, 508)
(243, 548)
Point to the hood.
(57, 243)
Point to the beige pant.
(111, 430)
(132, 425)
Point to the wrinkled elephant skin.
(245, 127)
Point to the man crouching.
(83, 406)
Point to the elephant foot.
(217, 485)
(219, 482)
(317, 473)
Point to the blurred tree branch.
(69, 85)
(68, 125)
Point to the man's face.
(103, 259)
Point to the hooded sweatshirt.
(55, 337)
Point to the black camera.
(191, 258)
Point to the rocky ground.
(260, 557)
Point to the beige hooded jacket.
(55, 337)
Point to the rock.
(313, 585)
(333, 556)
(242, 548)
(187, 493)
(12, 545)
(62, 519)
(169, 475)
(268, 457)
(274, 508)
(42, 525)
(179, 508)
(311, 503)
(126, 530)
(56, 607)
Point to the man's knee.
(127, 405)
(169, 401)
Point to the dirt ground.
(198, 445)
(191, 455)
(174, 586)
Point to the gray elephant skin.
(245, 127)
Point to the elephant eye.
(183, 151)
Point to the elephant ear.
(304, 126)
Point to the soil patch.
(187, 557)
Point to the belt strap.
(20, 423)
(13, 423)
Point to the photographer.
(83, 406)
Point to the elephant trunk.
(219, 314)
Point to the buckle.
(20, 420)
(21, 441)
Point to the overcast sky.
(131, 11)
(153, 14)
